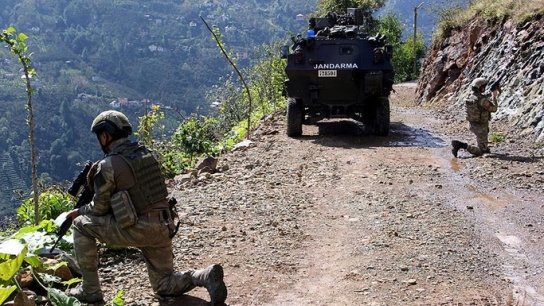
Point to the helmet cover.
(478, 82)
(111, 121)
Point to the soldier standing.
(130, 208)
(479, 107)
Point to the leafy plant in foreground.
(17, 255)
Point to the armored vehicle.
(337, 70)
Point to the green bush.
(195, 136)
(51, 203)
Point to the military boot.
(456, 145)
(212, 279)
(89, 290)
(85, 297)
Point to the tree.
(391, 27)
(403, 51)
(17, 46)
(217, 37)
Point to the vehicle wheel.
(382, 119)
(294, 118)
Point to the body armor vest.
(476, 113)
(150, 187)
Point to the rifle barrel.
(85, 197)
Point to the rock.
(243, 145)
(184, 178)
(25, 279)
(207, 162)
(52, 267)
(25, 298)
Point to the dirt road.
(338, 217)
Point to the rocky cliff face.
(495, 50)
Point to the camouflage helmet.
(113, 122)
(478, 82)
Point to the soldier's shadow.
(521, 159)
(185, 299)
(506, 157)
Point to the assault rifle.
(496, 85)
(85, 197)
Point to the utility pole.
(415, 38)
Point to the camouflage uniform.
(151, 234)
(130, 168)
(479, 107)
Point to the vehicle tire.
(382, 118)
(294, 118)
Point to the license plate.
(326, 73)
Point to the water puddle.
(482, 197)
(454, 165)
(407, 136)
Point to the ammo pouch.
(123, 210)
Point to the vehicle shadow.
(353, 134)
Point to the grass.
(517, 10)
(496, 138)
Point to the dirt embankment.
(337, 217)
